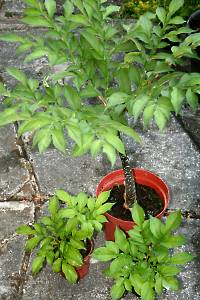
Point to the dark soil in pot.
(147, 198)
(88, 248)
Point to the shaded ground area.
(27, 179)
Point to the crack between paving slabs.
(25, 155)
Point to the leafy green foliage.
(143, 82)
(60, 236)
(142, 260)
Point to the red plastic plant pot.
(83, 270)
(143, 177)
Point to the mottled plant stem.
(130, 190)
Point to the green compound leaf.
(170, 283)
(50, 6)
(138, 214)
(175, 5)
(18, 75)
(70, 272)
(105, 254)
(181, 258)
(53, 206)
(32, 243)
(25, 230)
(173, 241)
(56, 267)
(64, 196)
(117, 290)
(147, 292)
(120, 240)
(58, 139)
(173, 221)
(110, 152)
(177, 98)
(155, 227)
(37, 264)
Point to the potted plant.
(142, 262)
(64, 237)
(124, 67)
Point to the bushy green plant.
(143, 261)
(135, 8)
(142, 81)
(61, 235)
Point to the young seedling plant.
(124, 67)
(142, 260)
(61, 236)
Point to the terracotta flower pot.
(83, 270)
(143, 177)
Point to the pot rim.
(165, 196)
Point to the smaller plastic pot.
(143, 177)
(83, 270)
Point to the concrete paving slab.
(191, 122)
(12, 214)
(13, 171)
(14, 8)
(190, 276)
(11, 256)
(10, 8)
(173, 156)
(49, 286)
(9, 58)
(54, 171)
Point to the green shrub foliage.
(143, 260)
(60, 236)
(126, 68)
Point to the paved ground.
(27, 179)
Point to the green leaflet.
(50, 6)
(70, 272)
(115, 141)
(58, 139)
(37, 264)
(25, 230)
(138, 214)
(117, 290)
(17, 74)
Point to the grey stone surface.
(55, 171)
(191, 123)
(12, 214)
(11, 256)
(13, 171)
(173, 157)
(9, 58)
(190, 276)
(11, 8)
